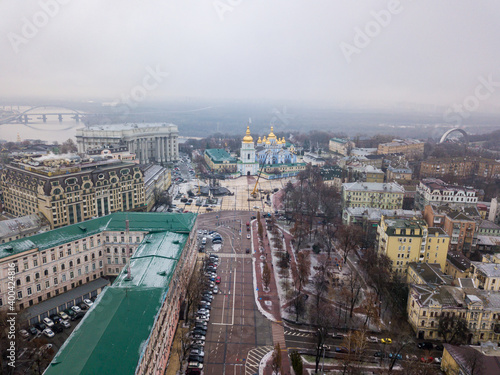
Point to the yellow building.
(480, 309)
(412, 148)
(427, 273)
(486, 275)
(410, 240)
(467, 360)
(457, 265)
(219, 160)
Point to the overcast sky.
(430, 52)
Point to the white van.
(204, 241)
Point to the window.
(63, 277)
(46, 273)
(47, 284)
(54, 269)
(28, 279)
(44, 260)
(29, 291)
(55, 280)
(38, 287)
(20, 294)
(71, 275)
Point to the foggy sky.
(430, 52)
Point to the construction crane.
(254, 191)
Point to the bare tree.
(348, 237)
(453, 330)
(276, 362)
(68, 146)
(322, 319)
(353, 290)
(303, 269)
(196, 286)
(320, 282)
(266, 276)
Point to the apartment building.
(157, 179)
(479, 308)
(340, 146)
(427, 273)
(411, 148)
(435, 191)
(52, 263)
(460, 167)
(372, 194)
(397, 174)
(68, 190)
(486, 275)
(457, 265)
(456, 223)
(132, 325)
(21, 227)
(410, 240)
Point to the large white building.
(437, 192)
(248, 165)
(151, 142)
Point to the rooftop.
(22, 224)
(219, 155)
(127, 126)
(459, 260)
(466, 357)
(431, 273)
(488, 269)
(138, 221)
(437, 184)
(400, 142)
(390, 187)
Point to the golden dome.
(268, 142)
(271, 135)
(248, 138)
(283, 140)
(259, 140)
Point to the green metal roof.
(219, 155)
(113, 335)
(138, 221)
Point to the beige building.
(372, 194)
(411, 148)
(67, 190)
(151, 142)
(157, 179)
(479, 308)
(457, 265)
(486, 275)
(406, 241)
(340, 146)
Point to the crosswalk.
(290, 332)
(229, 255)
(254, 357)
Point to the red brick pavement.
(272, 296)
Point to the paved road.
(237, 331)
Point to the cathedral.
(270, 152)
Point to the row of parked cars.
(198, 334)
(56, 323)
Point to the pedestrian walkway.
(254, 357)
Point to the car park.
(48, 322)
(48, 332)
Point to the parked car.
(398, 356)
(55, 318)
(216, 290)
(83, 306)
(425, 345)
(217, 280)
(24, 333)
(48, 322)
(411, 357)
(195, 358)
(45, 348)
(76, 309)
(48, 332)
(437, 360)
(198, 352)
(439, 347)
(58, 328)
(372, 339)
(63, 315)
(341, 349)
(386, 340)
(338, 336)
(71, 313)
(197, 336)
(379, 354)
(199, 343)
(88, 302)
(248, 236)
(40, 326)
(33, 330)
(427, 359)
(65, 324)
